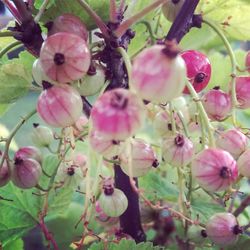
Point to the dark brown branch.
(244, 204)
(130, 220)
(183, 21)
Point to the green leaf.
(15, 245)
(157, 187)
(63, 225)
(60, 198)
(14, 82)
(3, 108)
(38, 3)
(101, 7)
(232, 16)
(221, 71)
(242, 244)
(18, 216)
(125, 244)
(205, 209)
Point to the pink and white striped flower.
(214, 169)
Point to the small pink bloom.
(177, 150)
(156, 77)
(214, 169)
(65, 57)
(143, 158)
(60, 106)
(4, 174)
(244, 163)
(117, 114)
(198, 69)
(26, 173)
(217, 104)
(223, 229)
(232, 141)
(70, 24)
(29, 152)
(105, 146)
(243, 91)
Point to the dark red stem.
(48, 236)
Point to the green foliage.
(125, 244)
(18, 216)
(3, 108)
(242, 244)
(232, 16)
(64, 6)
(60, 198)
(15, 245)
(14, 82)
(63, 225)
(156, 187)
(204, 208)
(221, 68)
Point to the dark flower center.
(204, 233)
(155, 163)
(119, 101)
(237, 230)
(115, 142)
(179, 140)
(59, 59)
(200, 77)
(18, 161)
(225, 173)
(108, 190)
(70, 171)
(175, 1)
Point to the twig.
(12, 134)
(244, 204)
(129, 22)
(9, 47)
(183, 22)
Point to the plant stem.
(112, 11)
(233, 63)
(12, 134)
(172, 113)
(41, 11)
(183, 122)
(9, 47)
(127, 62)
(13, 10)
(100, 24)
(6, 33)
(129, 22)
(183, 22)
(22, 9)
(150, 31)
(244, 204)
(202, 113)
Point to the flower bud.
(29, 152)
(223, 229)
(143, 158)
(4, 174)
(232, 141)
(41, 136)
(244, 164)
(26, 173)
(214, 169)
(117, 114)
(177, 150)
